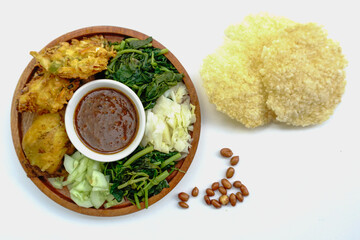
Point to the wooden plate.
(20, 122)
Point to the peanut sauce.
(106, 120)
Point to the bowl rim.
(71, 131)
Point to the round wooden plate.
(20, 122)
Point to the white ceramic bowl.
(70, 123)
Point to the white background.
(303, 182)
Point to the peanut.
(234, 160)
(222, 190)
(239, 197)
(232, 199)
(216, 203)
(183, 196)
(224, 199)
(226, 152)
(215, 186)
(244, 190)
(195, 192)
(237, 184)
(183, 205)
(207, 199)
(230, 172)
(226, 183)
(210, 192)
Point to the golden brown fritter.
(46, 93)
(77, 59)
(46, 142)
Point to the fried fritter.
(46, 93)
(46, 142)
(77, 59)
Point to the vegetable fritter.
(46, 142)
(77, 59)
(46, 93)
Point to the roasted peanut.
(230, 172)
(244, 190)
(239, 196)
(222, 190)
(226, 183)
(237, 184)
(216, 203)
(207, 199)
(232, 199)
(183, 196)
(210, 192)
(224, 199)
(183, 205)
(215, 186)
(234, 160)
(195, 192)
(226, 152)
(222, 186)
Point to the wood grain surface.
(20, 122)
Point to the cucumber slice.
(56, 182)
(77, 155)
(111, 201)
(98, 198)
(75, 175)
(89, 170)
(100, 189)
(97, 166)
(81, 199)
(80, 177)
(88, 186)
(83, 164)
(98, 180)
(82, 186)
(69, 163)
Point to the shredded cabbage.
(169, 122)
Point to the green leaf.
(142, 172)
(118, 194)
(146, 71)
(140, 43)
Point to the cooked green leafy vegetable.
(143, 68)
(141, 175)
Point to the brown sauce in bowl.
(106, 120)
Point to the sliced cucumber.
(111, 201)
(57, 182)
(77, 155)
(82, 186)
(80, 199)
(98, 180)
(98, 198)
(88, 186)
(69, 163)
